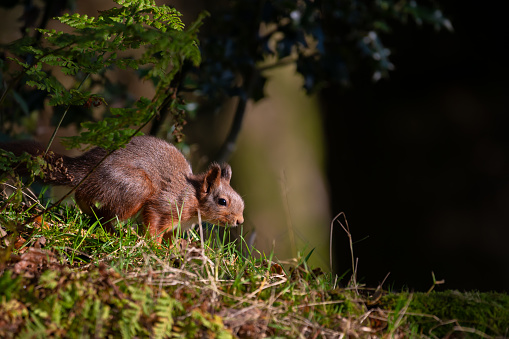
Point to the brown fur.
(149, 176)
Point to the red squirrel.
(149, 176)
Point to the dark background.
(419, 162)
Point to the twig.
(231, 140)
(470, 330)
(332, 302)
(30, 196)
(57, 127)
(289, 225)
(347, 230)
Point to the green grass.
(63, 276)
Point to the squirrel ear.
(212, 178)
(226, 172)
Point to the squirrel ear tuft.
(212, 178)
(226, 172)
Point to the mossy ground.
(442, 313)
(62, 276)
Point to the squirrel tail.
(62, 170)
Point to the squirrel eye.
(221, 201)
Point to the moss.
(440, 313)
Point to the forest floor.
(63, 276)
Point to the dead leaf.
(34, 261)
(20, 241)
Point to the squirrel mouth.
(227, 224)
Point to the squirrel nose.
(240, 220)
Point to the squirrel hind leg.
(106, 219)
(108, 216)
(114, 192)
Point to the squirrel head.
(217, 200)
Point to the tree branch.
(229, 144)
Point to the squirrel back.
(149, 176)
